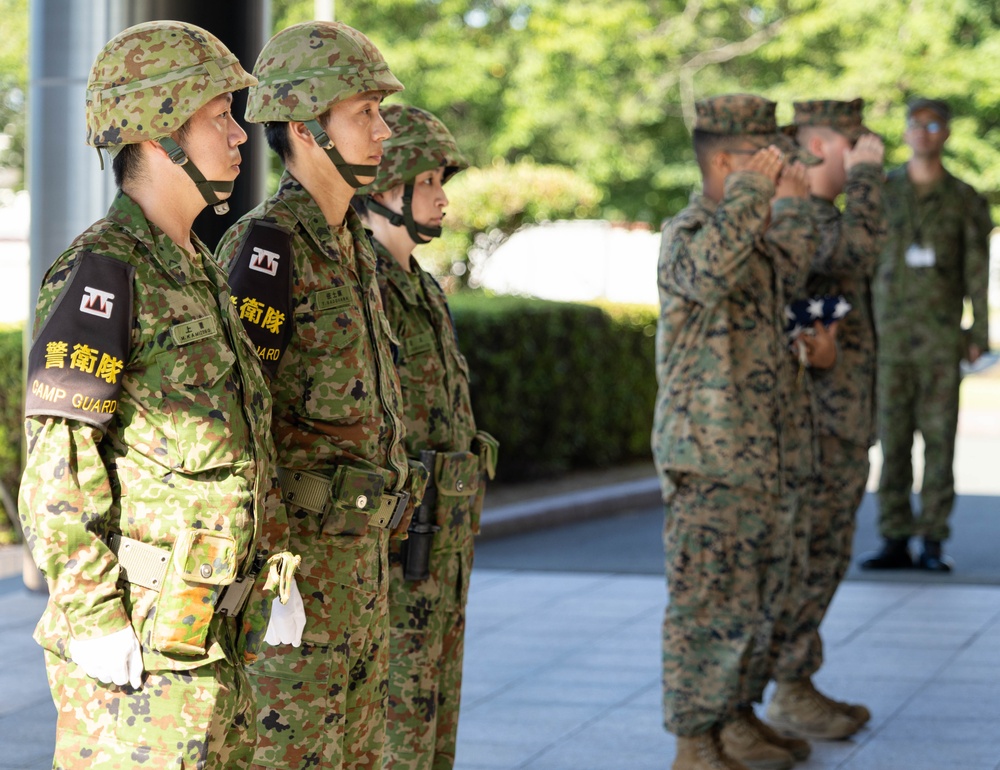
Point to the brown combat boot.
(704, 752)
(856, 711)
(744, 740)
(798, 709)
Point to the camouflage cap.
(306, 68)
(749, 117)
(419, 142)
(843, 117)
(151, 78)
(938, 106)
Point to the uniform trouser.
(427, 644)
(322, 705)
(827, 528)
(727, 555)
(917, 397)
(201, 718)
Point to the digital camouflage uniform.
(427, 616)
(729, 432)
(308, 297)
(843, 264)
(918, 314)
(148, 418)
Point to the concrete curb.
(555, 510)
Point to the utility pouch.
(415, 552)
(456, 474)
(201, 563)
(487, 449)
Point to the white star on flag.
(816, 307)
(841, 308)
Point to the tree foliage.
(608, 88)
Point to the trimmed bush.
(562, 386)
(11, 409)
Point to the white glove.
(114, 658)
(287, 620)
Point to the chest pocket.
(338, 377)
(201, 398)
(420, 367)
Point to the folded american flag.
(801, 314)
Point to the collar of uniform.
(127, 215)
(394, 273)
(703, 202)
(305, 209)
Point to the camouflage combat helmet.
(750, 117)
(420, 142)
(307, 68)
(149, 80)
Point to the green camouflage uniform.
(427, 617)
(731, 430)
(843, 264)
(148, 417)
(918, 313)
(336, 403)
(308, 297)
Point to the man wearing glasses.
(936, 256)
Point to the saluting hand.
(793, 182)
(767, 161)
(868, 149)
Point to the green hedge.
(11, 399)
(562, 386)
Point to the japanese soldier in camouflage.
(146, 497)
(842, 266)
(729, 430)
(429, 572)
(302, 272)
(936, 257)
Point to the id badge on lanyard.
(919, 256)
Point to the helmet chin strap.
(207, 189)
(413, 228)
(350, 171)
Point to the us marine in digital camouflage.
(303, 276)
(146, 497)
(845, 399)
(727, 431)
(429, 572)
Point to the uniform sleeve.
(703, 261)
(63, 504)
(978, 226)
(791, 240)
(862, 228)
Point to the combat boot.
(798, 709)
(932, 559)
(895, 554)
(704, 752)
(855, 711)
(743, 740)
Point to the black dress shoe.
(932, 560)
(895, 554)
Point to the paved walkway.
(562, 667)
(562, 673)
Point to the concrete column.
(68, 190)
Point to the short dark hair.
(277, 139)
(707, 144)
(128, 164)
(276, 133)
